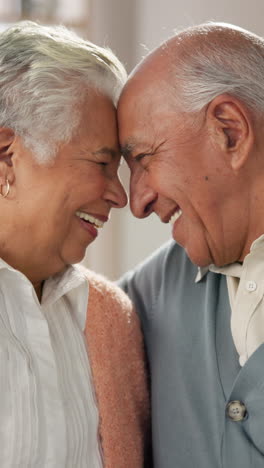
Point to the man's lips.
(175, 216)
(172, 216)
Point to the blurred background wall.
(131, 28)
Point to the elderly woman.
(72, 381)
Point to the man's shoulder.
(168, 258)
(159, 272)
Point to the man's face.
(178, 172)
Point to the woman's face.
(47, 204)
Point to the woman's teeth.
(175, 216)
(91, 219)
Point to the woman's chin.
(76, 257)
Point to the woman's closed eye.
(104, 156)
(103, 163)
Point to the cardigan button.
(236, 410)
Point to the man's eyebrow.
(106, 150)
(127, 149)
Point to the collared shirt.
(48, 412)
(245, 284)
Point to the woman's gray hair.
(217, 58)
(45, 74)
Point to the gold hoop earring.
(4, 195)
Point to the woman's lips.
(91, 222)
(89, 227)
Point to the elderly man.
(191, 122)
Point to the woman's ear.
(231, 126)
(7, 137)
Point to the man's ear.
(231, 126)
(7, 138)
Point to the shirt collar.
(4, 265)
(234, 269)
(58, 285)
(202, 271)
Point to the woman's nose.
(116, 194)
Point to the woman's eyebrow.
(106, 150)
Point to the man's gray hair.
(217, 58)
(45, 75)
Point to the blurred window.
(69, 12)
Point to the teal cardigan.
(194, 367)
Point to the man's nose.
(142, 197)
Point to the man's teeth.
(91, 219)
(175, 216)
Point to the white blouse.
(48, 412)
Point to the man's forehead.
(134, 131)
(147, 96)
(143, 99)
(146, 76)
(157, 60)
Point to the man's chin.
(201, 260)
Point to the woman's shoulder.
(111, 315)
(116, 353)
(106, 295)
(106, 289)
